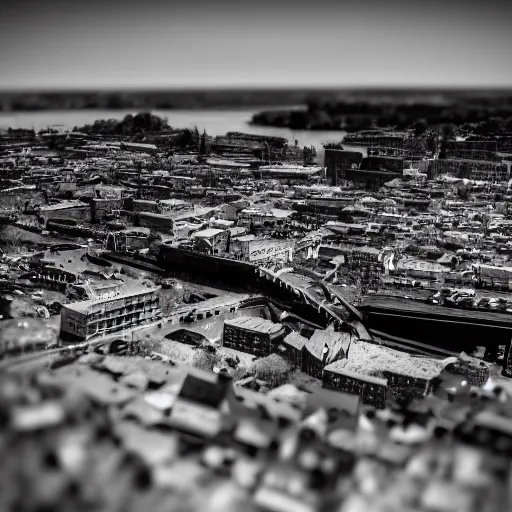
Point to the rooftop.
(207, 233)
(82, 307)
(338, 344)
(374, 360)
(255, 324)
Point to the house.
(211, 240)
(196, 410)
(323, 348)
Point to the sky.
(94, 44)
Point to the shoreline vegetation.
(312, 98)
(478, 114)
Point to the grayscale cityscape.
(255, 257)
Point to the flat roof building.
(100, 317)
(253, 335)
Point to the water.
(215, 122)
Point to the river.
(215, 122)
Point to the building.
(66, 210)
(484, 170)
(472, 150)
(292, 348)
(405, 375)
(99, 317)
(287, 172)
(128, 240)
(211, 240)
(255, 336)
(263, 250)
(270, 219)
(338, 161)
(372, 390)
(322, 349)
(101, 209)
(156, 221)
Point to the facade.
(372, 390)
(406, 376)
(66, 210)
(157, 221)
(212, 241)
(366, 261)
(101, 208)
(293, 346)
(260, 251)
(338, 161)
(472, 150)
(128, 240)
(274, 219)
(252, 335)
(100, 317)
(484, 170)
(52, 277)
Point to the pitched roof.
(295, 340)
(375, 360)
(337, 342)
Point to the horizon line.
(263, 88)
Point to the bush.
(303, 381)
(272, 369)
(205, 360)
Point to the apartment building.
(484, 170)
(253, 335)
(135, 307)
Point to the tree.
(448, 135)
(205, 359)
(196, 137)
(463, 191)
(420, 127)
(203, 148)
(185, 138)
(272, 369)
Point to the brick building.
(372, 390)
(255, 336)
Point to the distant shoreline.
(219, 99)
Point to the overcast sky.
(157, 44)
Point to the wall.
(337, 161)
(81, 213)
(103, 207)
(260, 250)
(73, 323)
